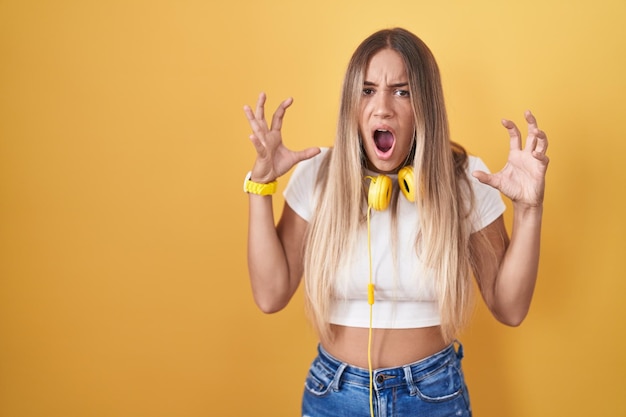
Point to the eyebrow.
(373, 84)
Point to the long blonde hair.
(443, 190)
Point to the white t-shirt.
(405, 296)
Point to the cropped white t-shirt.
(405, 296)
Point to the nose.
(383, 107)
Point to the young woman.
(386, 228)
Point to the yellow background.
(123, 146)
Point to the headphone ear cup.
(379, 193)
(406, 182)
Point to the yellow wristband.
(252, 187)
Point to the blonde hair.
(443, 190)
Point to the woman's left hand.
(523, 177)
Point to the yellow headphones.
(379, 193)
(378, 198)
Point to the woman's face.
(386, 119)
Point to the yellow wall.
(123, 146)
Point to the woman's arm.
(274, 254)
(506, 270)
(274, 251)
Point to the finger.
(537, 138)
(485, 178)
(260, 107)
(306, 154)
(541, 157)
(514, 135)
(277, 119)
(258, 145)
(531, 139)
(248, 112)
(542, 141)
(530, 119)
(254, 123)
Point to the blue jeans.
(433, 387)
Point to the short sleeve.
(300, 191)
(488, 203)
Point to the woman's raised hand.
(523, 177)
(273, 158)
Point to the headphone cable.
(370, 300)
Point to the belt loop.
(459, 351)
(337, 377)
(408, 376)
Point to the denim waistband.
(384, 378)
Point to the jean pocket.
(319, 379)
(443, 384)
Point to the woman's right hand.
(273, 158)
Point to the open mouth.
(383, 139)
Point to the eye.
(403, 93)
(368, 91)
